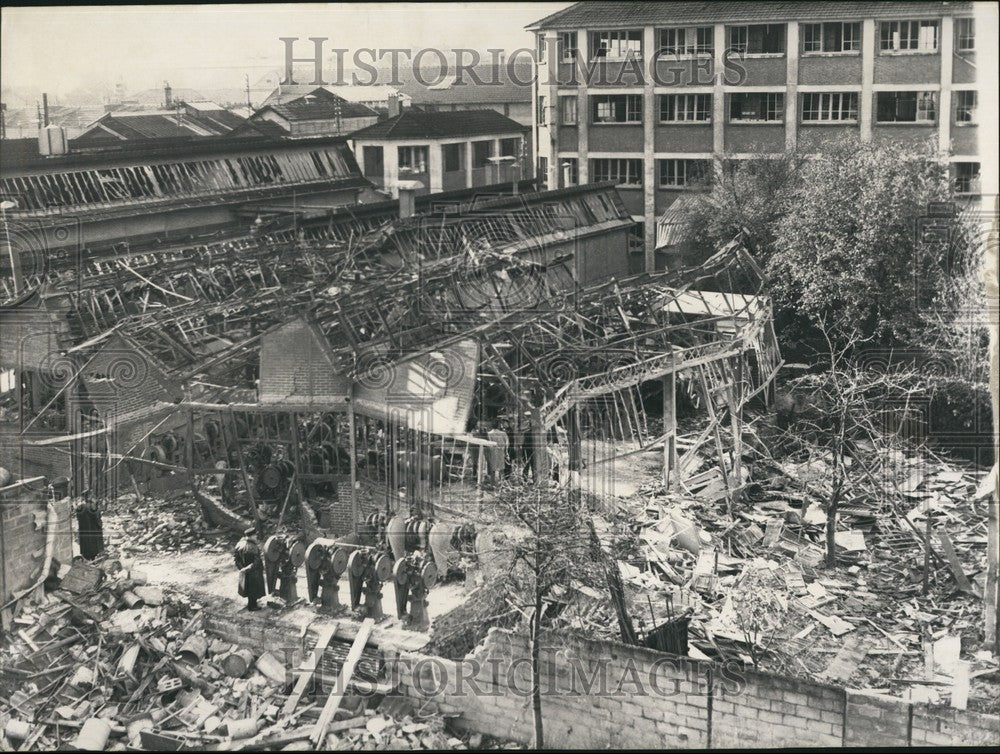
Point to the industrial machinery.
(413, 576)
(283, 554)
(374, 532)
(453, 546)
(325, 562)
(367, 570)
(406, 535)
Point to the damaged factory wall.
(605, 694)
(25, 521)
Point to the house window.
(543, 172)
(829, 107)
(570, 171)
(413, 158)
(965, 34)
(687, 40)
(567, 46)
(836, 37)
(682, 173)
(623, 172)
(541, 111)
(759, 39)
(965, 106)
(481, 153)
(906, 107)
(757, 107)
(616, 44)
(908, 36)
(684, 108)
(617, 108)
(567, 109)
(967, 178)
(510, 147)
(373, 161)
(454, 157)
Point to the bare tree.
(550, 548)
(862, 407)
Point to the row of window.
(768, 39)
(766, 107)
(697, 173)
(414, 158)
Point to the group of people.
(510, 447)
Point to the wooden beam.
(308, 669)
(337, 693)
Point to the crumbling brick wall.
(23, 527)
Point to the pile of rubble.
(106, 662)
(900, 613)
(172, 523)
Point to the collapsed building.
(326, 377)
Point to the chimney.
(45, 109)
(408, 197)
(168, 99)
(395, 108)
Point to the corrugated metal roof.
(671, 226)
(672, 12)
(413, 124)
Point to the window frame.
(575, 171)
(912, 24)
(974, 178)
(971, 34)
(563, 119)
(597, 100)
(743, 47)
(854, 49)
(686, 50)
(828, 108)
(699, 103)
(474, 156)
(567, 54)
(628, 163)
(461, 151)
(408, 164)
(971, 111)
(682, 172)
(779, 97)
(920, 98)
(616, 37)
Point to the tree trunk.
(831, 527)
(536, 686)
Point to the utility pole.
(246, 78)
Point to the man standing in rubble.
(88, 518)
(251, 568)
(498, 454)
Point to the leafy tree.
(845, 234)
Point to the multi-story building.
(651, 94)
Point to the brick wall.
(296, 364)
(23, 527)
(655, 700)
(600, 694)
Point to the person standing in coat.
(251, 568)
(499, 454)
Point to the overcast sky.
(61, 49)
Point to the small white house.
(444, 151)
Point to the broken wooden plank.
(956, 567)
(337, 693)
(308, 669)
(846, 661)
